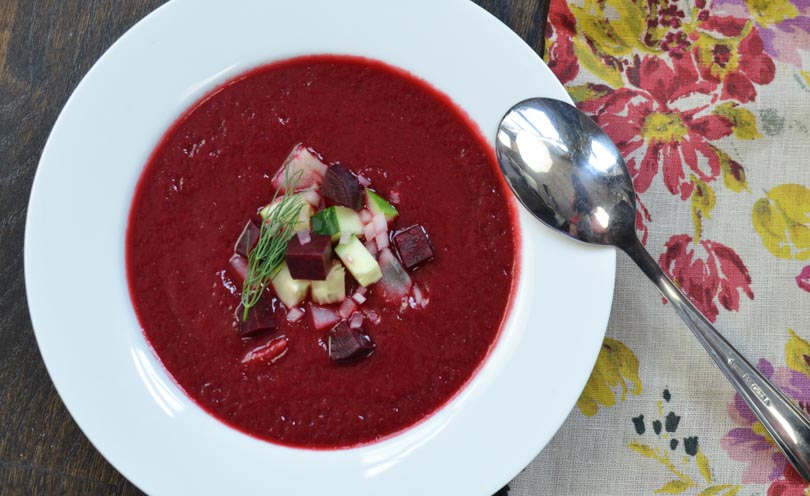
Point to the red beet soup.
(215, 167)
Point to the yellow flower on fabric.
(768, 12)
(616, 367)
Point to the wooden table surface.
(46, 47)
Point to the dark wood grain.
(46, 46)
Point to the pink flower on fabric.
(803, 279)
(675, 139)
(708, 272)
(749, 442)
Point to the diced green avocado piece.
(359, 261)
(290, 291)
(303, 215)
(335, 221)
(333, 289)
(377, 205)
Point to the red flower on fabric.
(706, 272)
(803, 279)
(791, 485)
(651, 116)
(559, 33)
(737, 64)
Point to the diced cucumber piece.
(290, 291)
(359, 261)
(304, 214)
(331, 290)
(377, 205)
(335, 221)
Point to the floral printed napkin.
(709, 102)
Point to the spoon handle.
(786, 423)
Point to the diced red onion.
(312, 197)
(420, 298)
(369, 232)
(345, 237)
(394, 196)
(395, 283)
(372, 316)
(382, 241)
(363, 180)
(356, 320)
(305, 164)
(360, 299)
(361, 290)
(371, 246)
(303, 237)
(295, 314)
(417, 294)
(365, 216)
(380, 224)
(322, 317)
(347, 307)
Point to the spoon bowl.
(568, 173)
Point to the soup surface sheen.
(211, 172)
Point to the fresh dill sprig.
(265, 259)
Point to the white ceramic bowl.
(89, 336)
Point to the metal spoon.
(570, 175)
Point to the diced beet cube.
(347, 345)
(238, 266)
(342, 187)
(247, 240)
(260, 317)
(311, 260)
(413, 246)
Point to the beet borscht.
(321, 252)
